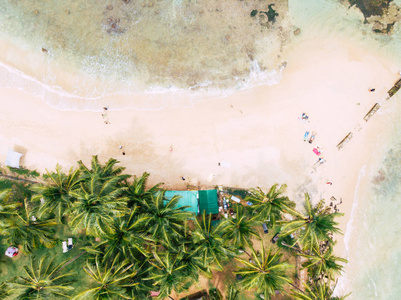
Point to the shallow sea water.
(373, 236)
(171, 45)
(143, 46)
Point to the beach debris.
(44, 50)
(183, 178)
(372, 90)
(297, 31)
(126, 1)
(120, 147)
(35, 12)
(344, 141)
(110, 7)
(371, 112)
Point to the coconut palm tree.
(26, 230)
(168, 274)
(4, 290)
(55, 196)
(110, 281)
(165, 220)
(323, 264)
(270, 205)
(137, 192)
(97, 202)
(314, 226)
(42, 280)
(125, 236)
(7, 207)
(317, 291)
(104, 173)
(265, 272)
(232, 293)
(240, 229)
(209, 243)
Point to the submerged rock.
(254, 12)
(382, 14)
(371, 7)
(271, 14)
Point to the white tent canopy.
(13, 159)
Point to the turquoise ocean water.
(125, 47)
(374, 231)
(162, 45)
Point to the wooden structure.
(371, 112)
(344, 141)
(395, 88)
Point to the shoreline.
(255, 133)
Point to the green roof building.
(208, 202)
(188, 198)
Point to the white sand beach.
(254, 134)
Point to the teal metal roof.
(188, 198)
(208, 202)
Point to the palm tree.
(137, 192)
(111, 281)
(104, 173)
(26, 230)
(7, 207)
(240, 229)
(54, 196)
(209, 243)
(4, 290)
(168, 274)
(98, 202)
(42, 280)
(317, 291)
(165, 221)
(323, 264)
(232, 293)
(125, 236)
(270, 205)
(313, 227)
(265, 273)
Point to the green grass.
(13, 267)
(242, 193)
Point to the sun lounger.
(65, 247)
(70, 244)
(312, 137)
(316, 151)
(306, 136)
